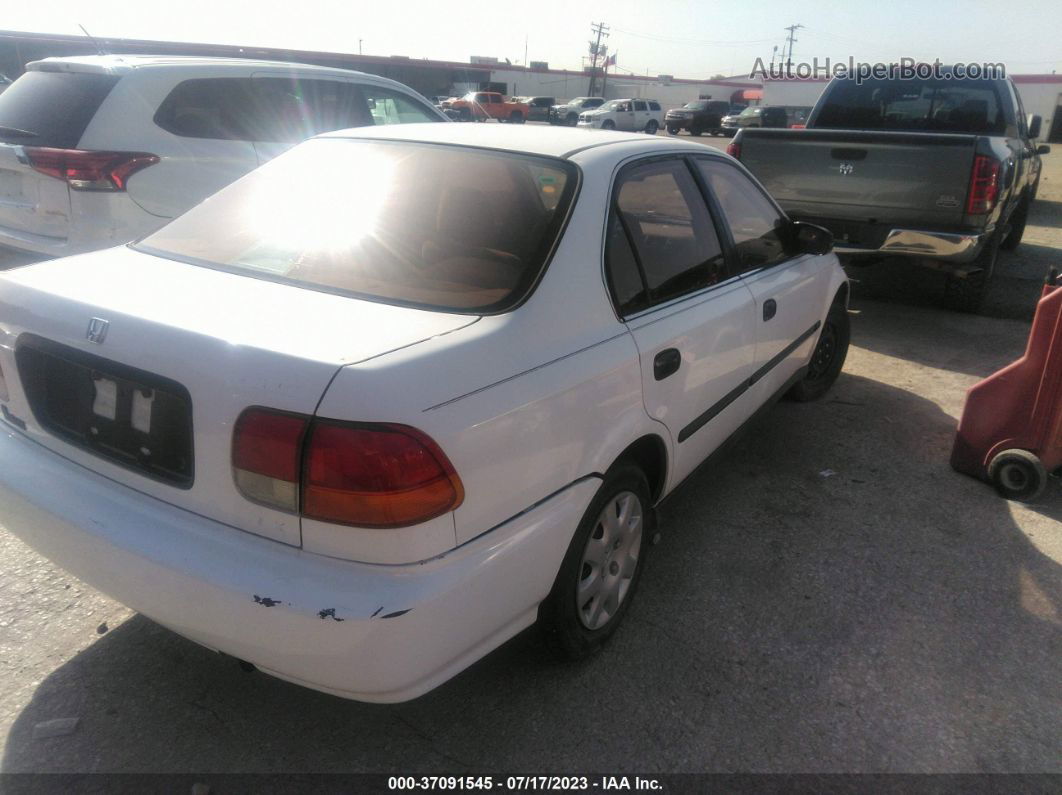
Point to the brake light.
(734, 150)
(266, 450)
(797, 126)
(366, 475)
(88, 170)
(984, 185)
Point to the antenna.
(99, 49)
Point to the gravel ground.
(827, 596)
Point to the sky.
(684, 39)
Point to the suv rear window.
(968, 106)
(438, 227)
(51, 108)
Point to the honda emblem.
(97, 330)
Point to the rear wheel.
(696, 131)
(1018, 475)
(652, 127)
(828, 357)
(1017, 226)
(967, 293)
(600, 572)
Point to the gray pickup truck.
(941, 169)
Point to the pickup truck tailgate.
(894, 177)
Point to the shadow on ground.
(891, 616)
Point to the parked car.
(483, 105)
(757, 116)
(797, 116)
(100, 150)
(702, 116)
(358, 427)
(538, 108)
(941, 171)
(630, 115)
(568, 112)
(5, 82)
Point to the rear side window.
(970, 106)
(51, 108)
(639, 105)
(654, 105)
(438, 227)
(669, 229)
(753, 221)
(393, 107)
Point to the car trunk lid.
(137, 367)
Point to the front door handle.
(666, 363)
(770, 308)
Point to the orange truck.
(483, 105)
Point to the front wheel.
(652, 127)
(672, 130)
(600, 572)
(828, 357)
(608, 124)
(571, 119)
(516, 117)
(1018, 475)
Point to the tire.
(578, 617)
(696, 132)
(465, 114)
(651, 127)
(828, 357)
(1017, 226)
(968, 294)
(571, 119)
(608, 124)
(672, 130)
(1018, 475)
(516, 117)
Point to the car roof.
(124, 64)
(560, 142)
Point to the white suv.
(632, 115)
(100, 150)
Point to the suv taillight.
(83, 169)
(984, 185)
(361, 474)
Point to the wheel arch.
(649, 454)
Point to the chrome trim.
(941, 245)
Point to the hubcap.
(609, 560)
(824, 353)
(1014, 477)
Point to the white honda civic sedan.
(381, 404)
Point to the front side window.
(438, 227)
(393, 107)
(669, 230)
(754, 223)
(292, 109)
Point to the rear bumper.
(952, 246)
(369, 632)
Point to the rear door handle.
(666, 363)
(770, 308)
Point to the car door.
(787, 289)
(692, 320)
(624, 116)
(641, 115)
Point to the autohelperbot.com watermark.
(903, 69)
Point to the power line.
(680, 40)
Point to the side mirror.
(811, 238)
(1043, 149)
(1035, 122)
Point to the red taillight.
(266, 451)
(376, 476)
(88, 170)
(797, 126)
(368, 475)
(734, 150)
(984, 185)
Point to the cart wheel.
(1018, 475)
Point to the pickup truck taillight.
(734, 150)
(984, 185)
(83, 169)
(360, 474)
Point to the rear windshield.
(964, 106)
(438, 227)
(51, 108)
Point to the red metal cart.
(1011, 429)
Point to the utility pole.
(789, 61)
(359, 46)
(774, 53)
(601, 29)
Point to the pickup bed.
(942, 171)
